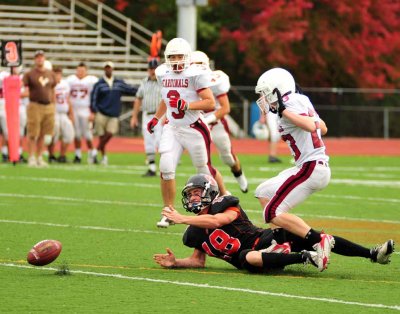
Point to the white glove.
(211, 118)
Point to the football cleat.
(310, 258)
(381, 253)
(149, 173)
(242, 183)
(273, 159)
(323, 249)
(278, 248)
(41, 163)
(164, 222)
(77, 160)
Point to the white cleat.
(381, 253)
(310, 258)
(278, 248)
(41, 163)
(164, 222)
(32, 162)
(323, 249)
(242, 183)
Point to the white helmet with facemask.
(272, 86)
(177, 46)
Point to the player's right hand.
(165, 260)
(150, 126)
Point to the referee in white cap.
(148, 98)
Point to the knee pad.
(47, 139)
(228, 159)
(167, 175)
(203, 170)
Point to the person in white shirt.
(301, 128)
(81, 85)
(185, 95)
(63, 126)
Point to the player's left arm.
(222, 111)
(323, 127)
(196, 260)
(202, 221)
(302, 121)
(206, 103)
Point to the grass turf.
(105, 217)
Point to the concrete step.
(36, 31)
(34, 16)
(100, 56)
(73, 48)
(39, 24)
(25, 8)
(61, 38)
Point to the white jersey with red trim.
(305, 146)
(62, 90)
(80, 90)
(184, 85)
(220, 85)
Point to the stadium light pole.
(187, 20)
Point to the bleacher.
(82, 31)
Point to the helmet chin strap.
(196, 207)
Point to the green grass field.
(105, 217)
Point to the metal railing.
(96, 15)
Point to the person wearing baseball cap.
(39, 84)
(106, 106)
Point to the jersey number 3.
(175, 94)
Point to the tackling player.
(185, 94)
(216, 119)
(81, 85)
(221, 229)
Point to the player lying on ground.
(221, 229)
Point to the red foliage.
(323, 42)
(120, 5)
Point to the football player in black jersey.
(222, 229)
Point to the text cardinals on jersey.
(175, 83)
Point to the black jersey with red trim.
(228, 241)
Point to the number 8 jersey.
(184, 85)
(305, 146)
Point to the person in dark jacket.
(106, 105)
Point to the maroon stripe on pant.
(203, 129)
(291, 183)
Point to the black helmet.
(210, 192)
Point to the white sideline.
(207, 286)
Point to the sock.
(4, 150)
(280, 260)
(312, 237)
(78, 153)
(93, 152)
(237, 173)
(348, 248)
(20, 150)
(279, 235)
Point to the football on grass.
(44, 252)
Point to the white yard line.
(207, 286)
(49, 224)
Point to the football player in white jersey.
(301, 128)
(185, 94)
(216, 119)
(63, 127)
(81, 85)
